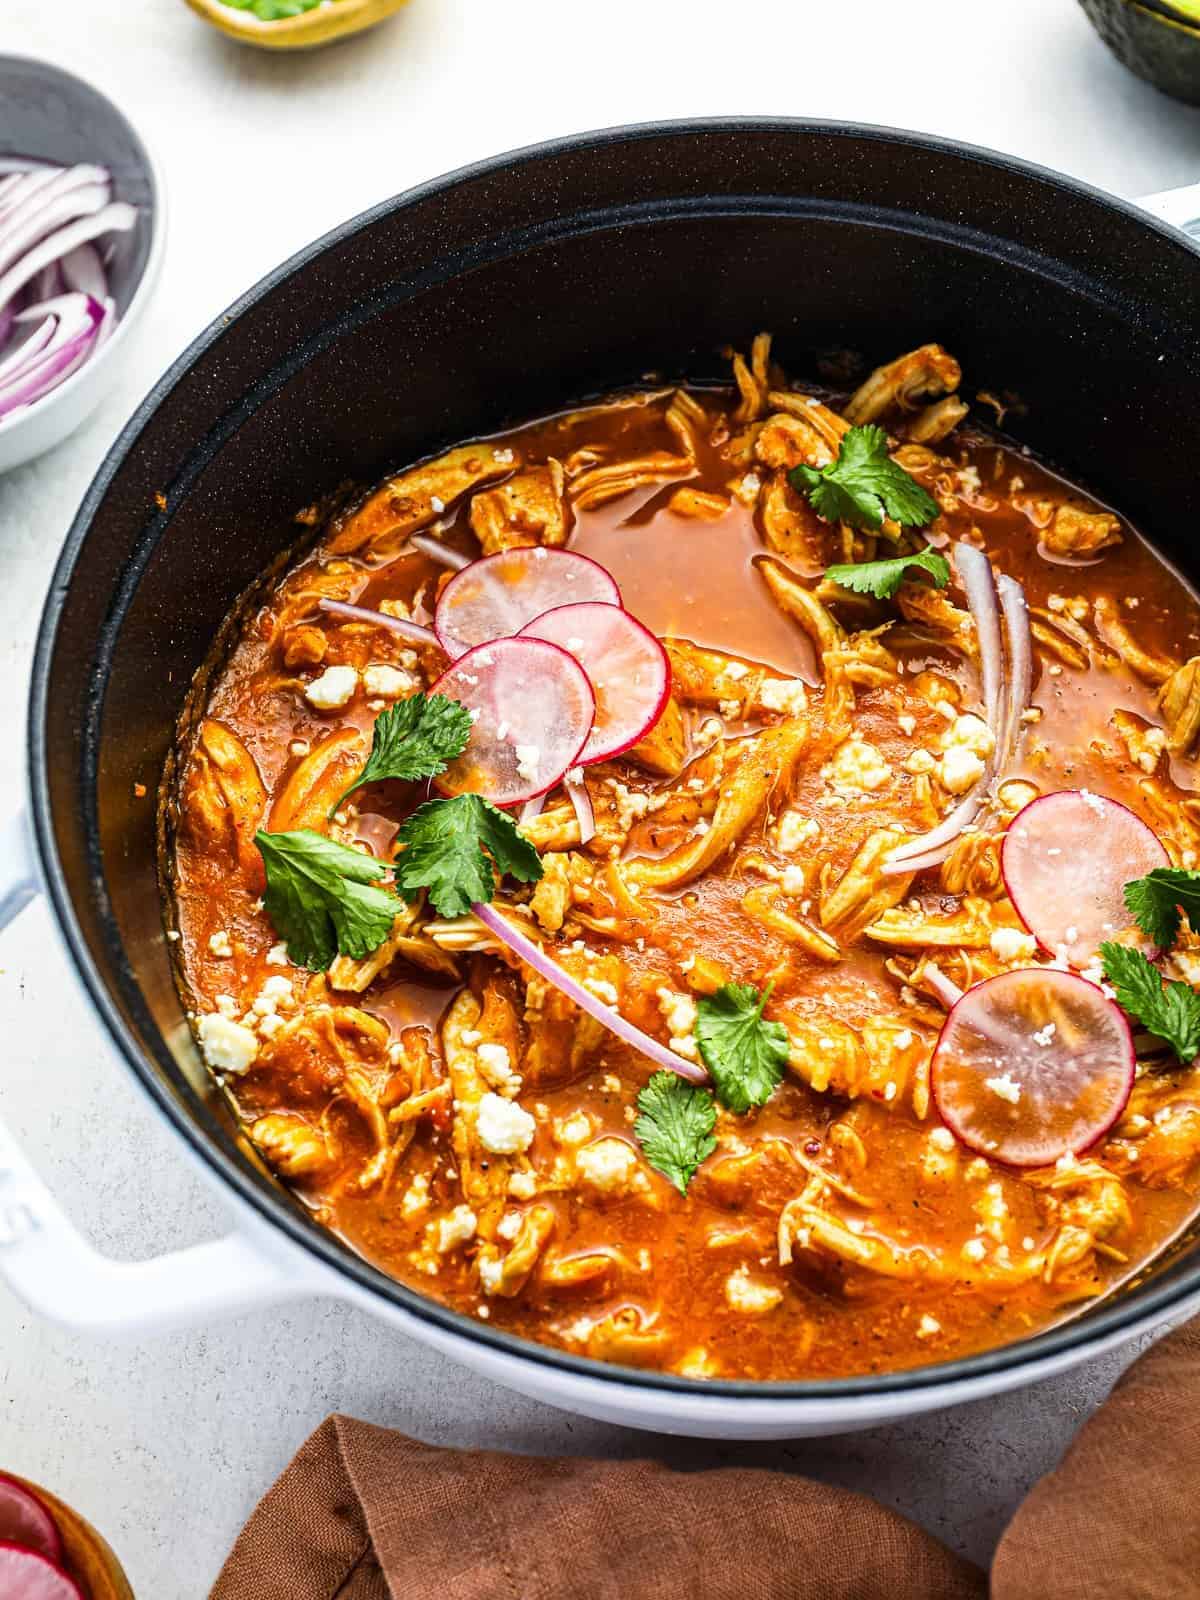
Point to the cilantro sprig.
(864, 485)
(414, 739)
(745, 1054)
(454, 848)
(675, 1127)
(1156, 901)
(326, 899)
(1170, 1011)
(323, 898)
(883, 578)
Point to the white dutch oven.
(494, 294)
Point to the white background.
(167, 1445)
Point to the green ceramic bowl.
(1157, 39)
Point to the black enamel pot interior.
(504, 291)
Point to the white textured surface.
(167, 1445)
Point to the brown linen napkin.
(366, 1514)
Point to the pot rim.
(1071, 1338)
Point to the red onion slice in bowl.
(116, 217)
(82, 269)
(532, 708)
(1066, 859)
(534, 956)
(495, 597)
(1033, 1065)
(71, 341)
(628, 668)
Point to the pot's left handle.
(50, 1265)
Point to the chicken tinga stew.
(704, 880)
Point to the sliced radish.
(24, 1520)
(1033, 1065)
(532, 707)
(496, 596)
(1066, 859)
(25, 1575)
(630, 673)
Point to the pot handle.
(1179, 207)
(50, 1265)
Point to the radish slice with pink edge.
(26, 1575)
(1066, 859)
(629, 670)
(1033, 1065)
(532, 708)
(496, 596)
(24, 1520)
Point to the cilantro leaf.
(444, 851)
(323, 898)
(1171, 1012)
(1154, 902)
(675, 1126)
(864, 485)
(745, 1054)
(414, 739)
(883, 578)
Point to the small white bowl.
(50, 115)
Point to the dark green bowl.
(1157, 39)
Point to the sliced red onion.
(975, 570)
(533, 808)
(398, 625)
(534, 956)
(48, 283)
(1057, 560)
(27, 185)
(116, 217)
(1007, 692)
(1020, 663)
(48, 213)
(76, 320)
(28, 350)
(439, 552)
(979, 581)
(945, 988)
(83, 269)
(577, 794)
(30, 223)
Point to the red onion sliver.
(68, 347)
(107, 322)
(534, 956)
(398, 625)
(1057, 560)
(116, 217)
(1020, 664)
(439, 552)
(30, 225)
(976, 572)
(577, 794)
(945, 988)
(24, 353)
(83, 269)
(533, 808)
